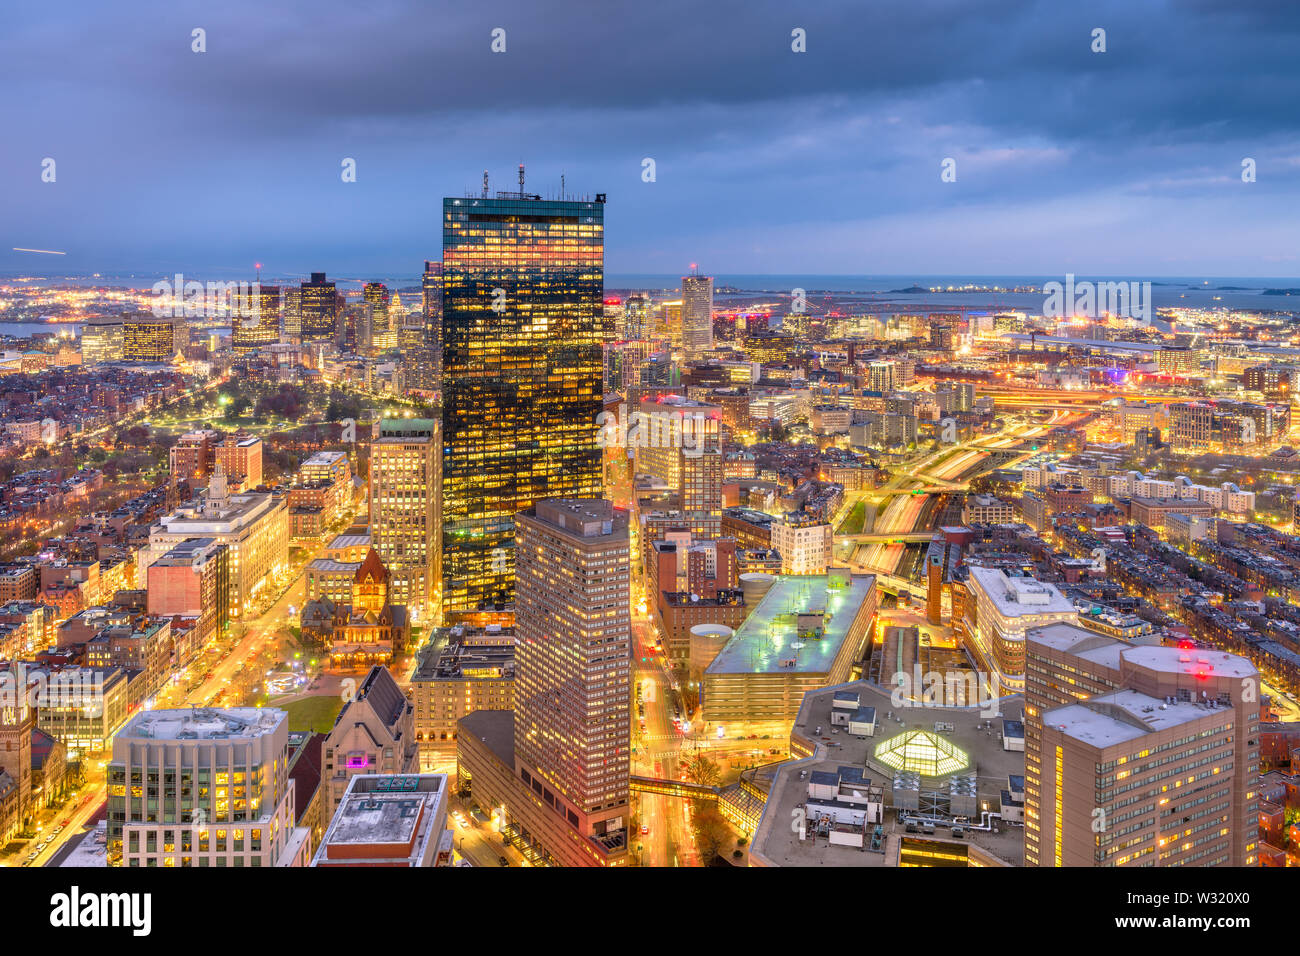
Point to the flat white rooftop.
(1079, 641)
(770, 634)
(203, 723)
(1196, 661)
(1124, 715)
(1013, 597)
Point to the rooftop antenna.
(561, 185)
(485, 184)
(521, 179)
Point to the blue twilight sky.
(767, 161)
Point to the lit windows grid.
(522, 382)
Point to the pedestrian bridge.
(673, 788)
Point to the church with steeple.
(367, 631)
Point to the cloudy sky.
(766, 160)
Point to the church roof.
(372, 569)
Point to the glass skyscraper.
(319, 310)
(249, 333)
(522, 334)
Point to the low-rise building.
(464, 670)
(374, 733)
(389, 820)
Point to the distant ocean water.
(1167, 291)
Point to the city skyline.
(841, 437)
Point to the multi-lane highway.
(909, 503)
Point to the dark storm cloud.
(758, 148)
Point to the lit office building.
(406, 512)
(1001, 609)
(383, 336)
(193, 455)
(559, 764)
(880, 377)
(240, 455)
(252, 332)
(522, 336)
(147, 338)
(319, 310)
(192, 580)
(432, 322)
(1274, 381)
(292, 331)
(697, 312)
(636, 316)
(101, 340)
(804, 543)
(203, 788)
(1138, 755)
(327, 466)
(676, 442)
(419, 359)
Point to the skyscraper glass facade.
(522, 334)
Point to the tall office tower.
(146, 338)
(357, 330)
(668, 322)
(697, 312)
(636, 316)
(942, 335)
(573, 664)
(101, 340)
(613, 319)
(523, 302)
(319, 310)
(880, 377)
(406, 512)
(383, 335)
(418, 362)
(252, 332)
(292, 331)
(431, 283)
(424, 370)
(677, 441)
(1138, 755)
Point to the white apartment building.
(1004, 608)
(804, 544)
